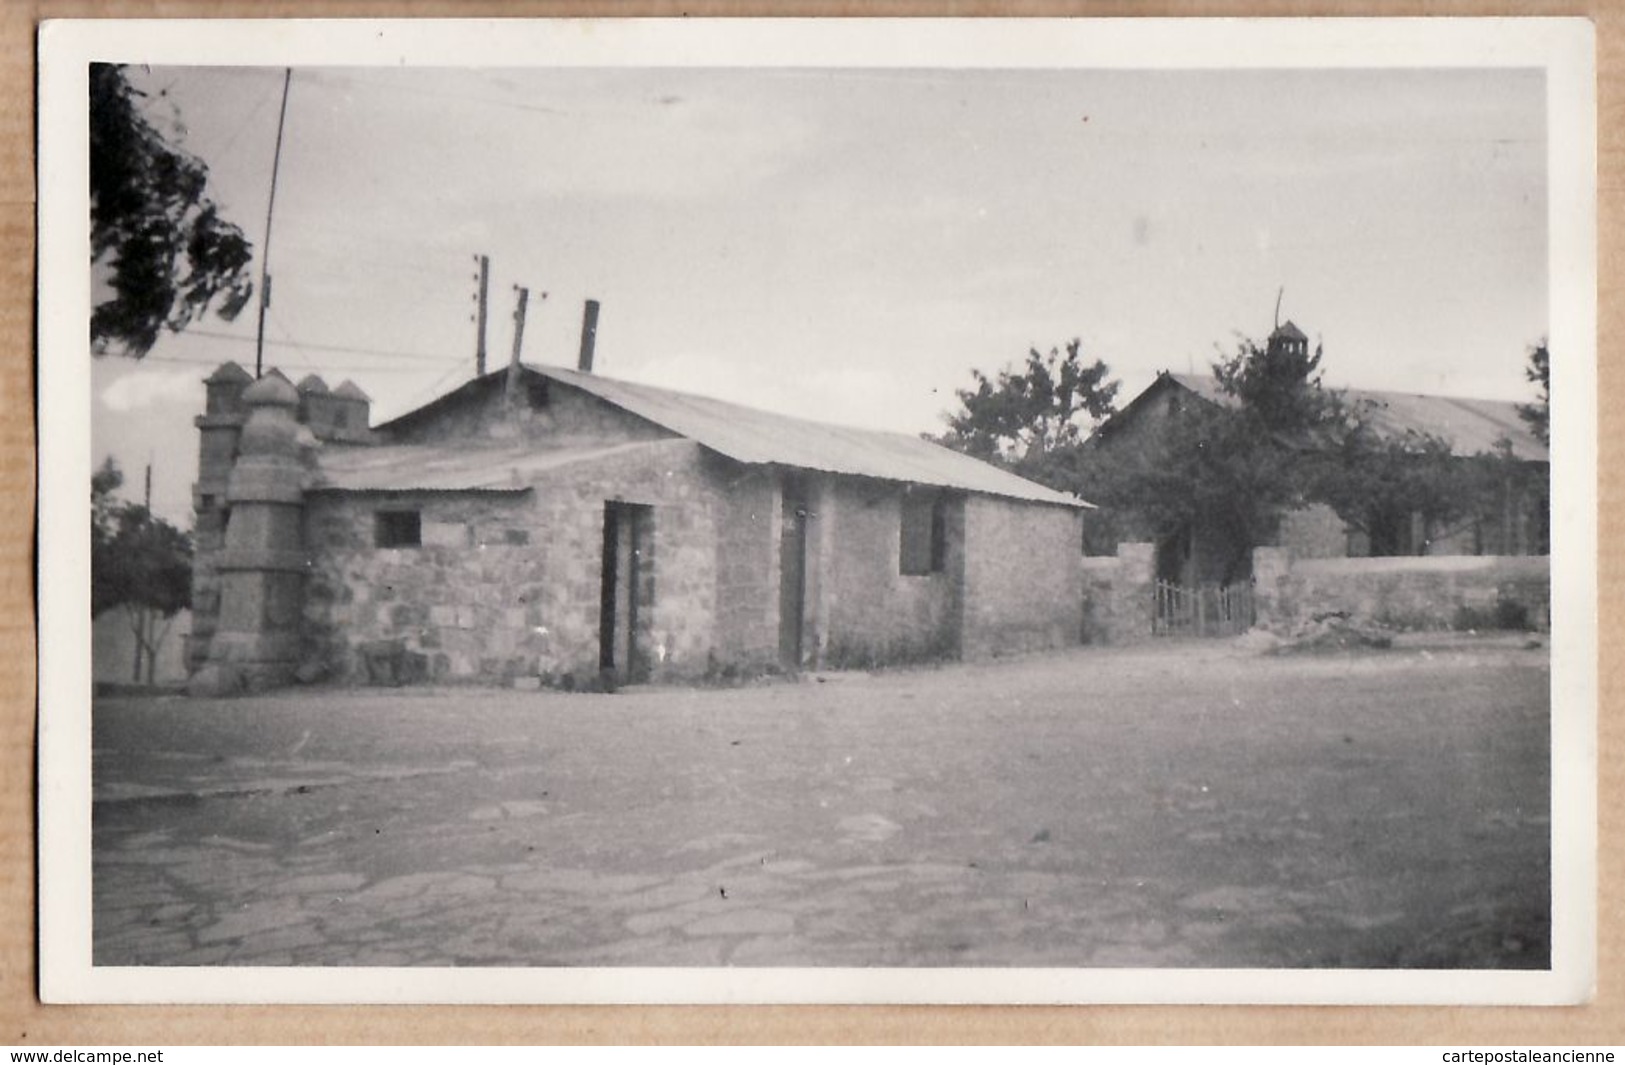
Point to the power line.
(309, 364)
(432, 389)
(340, 349)
(247, 121)
(206, 363)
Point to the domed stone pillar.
(262, 565)
(218, 429)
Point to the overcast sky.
(848, 244)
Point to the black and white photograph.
(723, 511)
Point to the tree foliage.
(169, 253)
(136, 559)
(1277, 441)
(1034, 418)
(1278, 389)
(1210, 468)
(1376, 482)
(1537, 415)
(1229, 468)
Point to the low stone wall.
(1410, 592)
(1100, 577)
(1117, 600)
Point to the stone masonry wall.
(869, 612)
(467, 599)
(747, 567)
(1023, 583)
(508, 584)
(1407, 592)
(1117, 605)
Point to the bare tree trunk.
(142, 623)
(155, 640)
(137, 617)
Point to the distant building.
(1514, 522)
(552, 526)
(113, 648)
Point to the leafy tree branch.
(168, 253)
(1030, 417)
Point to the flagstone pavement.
(1028, 813)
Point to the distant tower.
(1290, 341)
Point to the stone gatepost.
(262, 565)
(1271, 568)
(219, 427)
(1133, 611)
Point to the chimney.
(589, 336)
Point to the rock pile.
(1324, 632)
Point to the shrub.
(1507, 615)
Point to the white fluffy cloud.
(144, 385)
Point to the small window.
(398, 528)
(924, 541)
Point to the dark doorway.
(624, 592)
(792, 572)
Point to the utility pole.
(518, 342)
(270, 205)
(484, 278)
(140, 615)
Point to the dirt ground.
(1190, 804)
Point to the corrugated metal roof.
(1472, 426)
(756, 437)
(455, 467)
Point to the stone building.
(1513, 520)
(544, 526)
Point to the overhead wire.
(206, 363)
(432, 389)
(325, 367)
(341, 349)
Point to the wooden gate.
(1206, 610)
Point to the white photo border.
(1563, 48)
